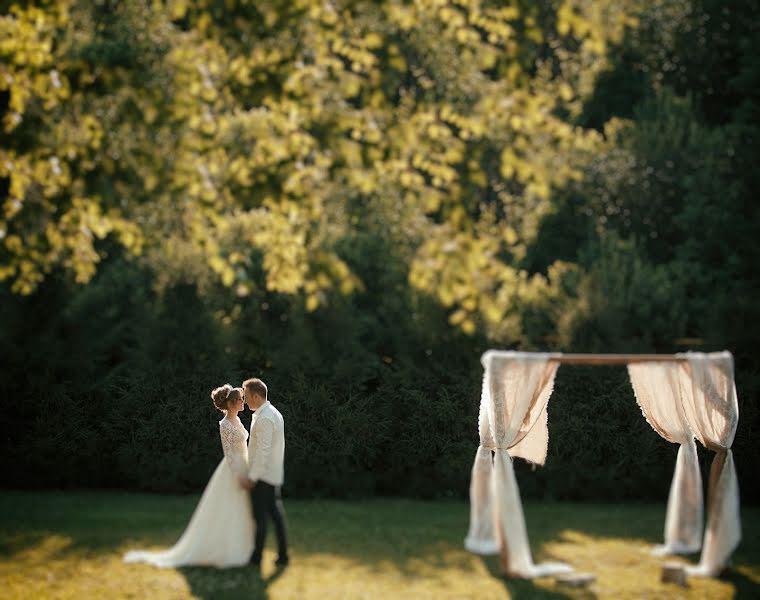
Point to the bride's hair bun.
(220, 396)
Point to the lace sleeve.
(231, 451)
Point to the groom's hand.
(246, 483)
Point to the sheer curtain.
(516, 390)
(712, 411)
(658, 391)
(696, 398)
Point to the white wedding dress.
(220, 532)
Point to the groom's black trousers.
(267, 503)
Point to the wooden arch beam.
(614, 359)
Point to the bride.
(220, 532)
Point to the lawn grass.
(69, 545)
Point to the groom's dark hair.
(256, 386)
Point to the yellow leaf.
(468, 326)
(458, 317)
(312, 303)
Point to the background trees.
(353, 200)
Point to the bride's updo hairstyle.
(222, 395)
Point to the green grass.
(69, 545)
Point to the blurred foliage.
(353, 200)
(196, 133)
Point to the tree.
(203, 136)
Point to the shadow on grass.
(745, 588)
(231, 584)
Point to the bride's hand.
(245, 483)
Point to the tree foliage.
(194, 133)
(355, 199)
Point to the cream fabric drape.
(516, 390)
(658, 391)
(712, 411)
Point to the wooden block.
(673, 572)
(575, 579)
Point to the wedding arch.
(682, 396)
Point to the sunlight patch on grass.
(52, 569)
(625, 567)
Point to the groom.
(266, 451)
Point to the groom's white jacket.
(266, 445)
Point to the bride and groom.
(229, 525)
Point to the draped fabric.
(712, 411)
(658, 391)
(516, 390)
(681, 401)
